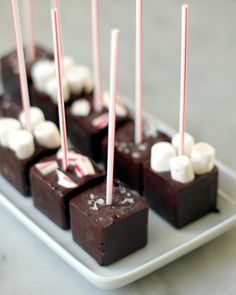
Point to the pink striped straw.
(115, 39)
(139, 73)
(21, 64)
(183, 79)
(29, 23)
(96, 56)
(61, 106)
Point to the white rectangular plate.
(165, 243)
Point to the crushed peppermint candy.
(127, 150)
(98, 202)
(142, 147)
(127, 201)
(65, 181)
(46, 168)
(122, 190)
(101, 121)
(136, 155)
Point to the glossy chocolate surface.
(109, 233)
(129, 156)
(53, 199)
(180, 204)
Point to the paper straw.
(29, 23)
(139, 75)
(61, 106)
(96, 56)
(115, 38)
(183, 79)
(21, 64)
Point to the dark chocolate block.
(129, 156)
(8, 107)
(48, 106)
(180, 204)
(10, 75)
(16, 171)
(52, 198)
(86, 136)
(109, 233)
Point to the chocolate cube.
(129, 157)
(10, 74)
(109, 232)
(180, 204)
(52, 191)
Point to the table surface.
(29, 267)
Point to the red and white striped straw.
(139, 74)
(21, 64)
(183, 79)
(98, 103)
(29, 24)
(115, 40)
(61, 106)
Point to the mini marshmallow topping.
(7, 125)
(188, 143)
(36, 117)
(42, 71)
(121, 110)
(68, 63)
(51, 89)
(202, 157)
(81, 108)
(22, 143)
(79, 79)
(181, 169)
(47, 135)
(161, 154)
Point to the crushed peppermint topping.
(128, 194)
(127, 201)
(99, 202)
(136, 155)
(122, 190)
(92, 196)
(142, 147)
(127, 150)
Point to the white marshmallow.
(188, 143)
(68, 63)
(47, 135)
(121, 110)
(203, 156)
(36, 117)
(22, 143)
(79, 79)
(42, 71)
(161, 153)
(80, 107)
(51, 89)
(181, 169)
(7, 125)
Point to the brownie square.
(16, 171)
(87, 133)
(180, 204)
(51, 198)
(10, 74)
(109, 233)
(129, 157)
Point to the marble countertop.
(29, 267)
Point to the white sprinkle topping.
(127, 201)
(99, 202)
(142, 147)
(128, 194)
(122, 190)
(126, 150)
(136, 155)
(92, 196)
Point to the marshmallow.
(68, 63)
(36, 117)
(47, 135)
(161, 153)
(80, 107)
(181, 169)
(22, 143)
(51, 89)
(79, 79)
(202, 157)
(188, 143)
(7, 125)
(42, 71)
(121, 110)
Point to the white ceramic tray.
(165, 243)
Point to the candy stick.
(96, 56)
(21, 64)
(183, 79)
(139, 75)
(29, 24)
(115, 38)
(61, 106)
